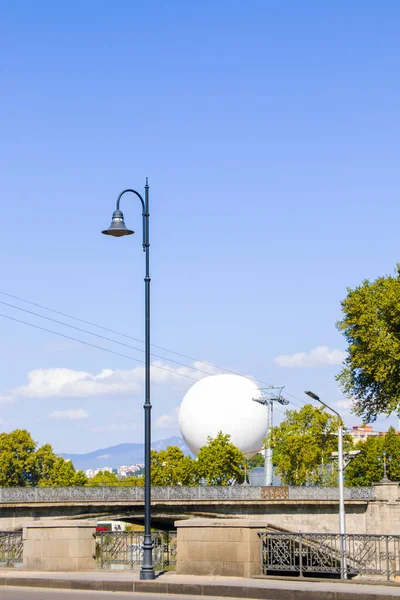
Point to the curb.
(238, 591)
(193, 589)
(69, 584)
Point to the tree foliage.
(172, 467)
(62, 474)
(104, 478)
(302, 445)
(255, 461)
(371, 326)
(220, 462)
(366, 468)
(132, 481)
(22, 463)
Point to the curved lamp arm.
(145, 211)
(132, 192)
(318, 399)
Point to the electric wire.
(43, 307)
(68, 337)
(101, 336)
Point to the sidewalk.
(233, 587)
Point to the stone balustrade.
(27, 495)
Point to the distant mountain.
(122, 454)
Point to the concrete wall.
(59, 546)
(229, 547)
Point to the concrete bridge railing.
(180, 493)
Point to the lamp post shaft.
(147, 569)
(342, 512)
(342, 515)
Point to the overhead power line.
(125, 335)
(68, 337)
(30, 312)
(43, 307)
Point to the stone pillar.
(59, 546)
(387, 490)
(228, 547)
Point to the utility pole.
(268, 401)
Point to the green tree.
(371, 326)
(23, 464)
(172, 467)
(17, 459)
(63, 474)
(302, 445)
(255, 461)
(103, 478)
(131, 481)
(220, 462)
(366, 468)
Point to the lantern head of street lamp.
(118, 227)
(312, 395)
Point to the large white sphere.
(223, 403)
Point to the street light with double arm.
(119, 229)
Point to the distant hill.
(122, 454)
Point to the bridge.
(368, 509)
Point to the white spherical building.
(223, 403)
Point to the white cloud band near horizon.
(69, 383)
(318, 357)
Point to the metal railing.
(318, 554)
(31, 495)
(123, 549)
(11, 548)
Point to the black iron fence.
(330, 554)
(11, 547)
(123, 550)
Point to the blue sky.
(269, 131)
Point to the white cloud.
(318, 357)
(68, 383)
(167, 421)
(346, 404)
(103, 456)
(71, 414)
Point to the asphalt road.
(22, 593)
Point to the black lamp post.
(118, 229)
(383, 459)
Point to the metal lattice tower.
(268, 396)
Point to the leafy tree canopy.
(255, 461)
(220, 462)
(172, 467)
(371, 326)
(367, 467)
(103, 478)
(23, 464)
(132, 480)
(302, 445)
